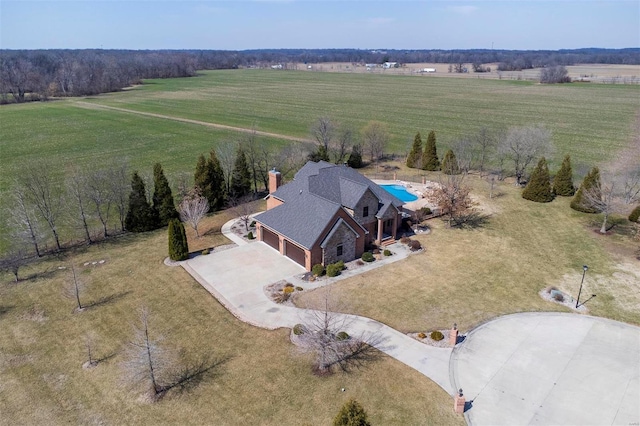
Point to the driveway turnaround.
(550, 368)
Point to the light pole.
(584, 271)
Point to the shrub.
(178, 247)
(252, 224)
(359, 262)
(426, 211)
(341, 265)
(205, 252)
(298, 288)
(299, 329)
(386, 252)
(558, 297)
(376, 251)
(405, 240)
(351, 414)
(538, 188)
(288, 285)
(635, 215)
(436, 335)
(563, 182)
(591, 180)
(421, 335)
(333, 270)
(415, 245)
(250, 235)
(367, 256)
(342, 336)
(318, 270)
(552, 289)
(288, 290)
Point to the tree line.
(27, 75)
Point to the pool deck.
(414, 188)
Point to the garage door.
(270, 238)
(294, 253)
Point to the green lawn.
(264, 380)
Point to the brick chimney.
(275, 180)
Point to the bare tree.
(484, 143)
(43, 194)
(243, 208)
(453, 198)
(193, 208)
(523, 145)
(74, 288)
(604, 198)
(14, 258)
(147, 361)
(323, 334)
(119, 186)
(23, 221)
(77, 191)
(101, 195)
(346, 139)
(375, 136)
(251, 147)
(89, 345)
(465, 155)
(554, 74)
(226, 153)
(630, 182)
(290, 158)
(323, 131)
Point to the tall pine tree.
(216, 182)
(563, 182)
(591, 180)
(202, 179)
(240, 176)
(430, 159)
(178, 246)
(162, 197)
(140, 216)
(355, 158)
(415, 156)
(538, 188)
(450, 164)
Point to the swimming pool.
(400, 192)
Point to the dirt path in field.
(89, 105)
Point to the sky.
(362, 24)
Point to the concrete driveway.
(550, 368)
(237, 276)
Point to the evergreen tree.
(563, 182)
(162, 197)
(216, 182)
(538, 188)
(591, 180)
(351, 414)
(355, 159)
(241, 176)
(140, 216)
(178, 246)
(202, 178)
(321, 154)
(635, 215)
(430, 159)
(450, 164)
(415, 156)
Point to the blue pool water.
(400, 192)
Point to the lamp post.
(584, 271)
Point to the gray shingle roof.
(314, 196)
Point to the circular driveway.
(550, 368)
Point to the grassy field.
(264, 380)
(468, 276)
(588, 121)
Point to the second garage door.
(294, 253)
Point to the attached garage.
(294, 253)
(270, 238)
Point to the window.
(365, 211)
(339, 250)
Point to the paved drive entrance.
(550, 368)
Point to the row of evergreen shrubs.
(332, 270)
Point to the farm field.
(588, 121)
(263, 379)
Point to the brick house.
(326, 214)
